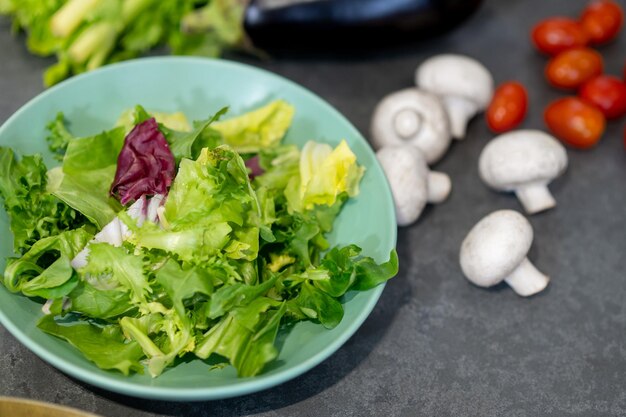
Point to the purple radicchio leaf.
(145, 165)
(255, 168)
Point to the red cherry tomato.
(555, 35)
(575, 122)
(606, 92)
(602, 20)
(508, 107)
(573, 67)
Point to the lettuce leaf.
(340, 270)
(34, 213)
(325, 173)
(245, 336)
(181, 284)
(45, 270)
(211, 210)
(84, 180)
(317, 305)
(258, 129)
(105, 346)
(114, 267)
(189, 144)
(280, 164)
(58, 137)
(348, 270)
(236, 295)
(96, 300)
(162, 334)
(176, 121)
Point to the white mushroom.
(464, 85)
(524, 161)
(414, 117)
(495, 250)
(412, 183)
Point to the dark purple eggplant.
(279, 25)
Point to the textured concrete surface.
(435, 345)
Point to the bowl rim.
(245, 386)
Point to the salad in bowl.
(161, 239)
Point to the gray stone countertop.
(435, 345)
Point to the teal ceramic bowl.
(199, 87)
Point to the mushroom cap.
(495, 246)
(521, 157)
(456, 75)
(407, 174)
(415, 117)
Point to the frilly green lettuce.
(211, 210)
(34, 213)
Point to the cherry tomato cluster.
(577, 120)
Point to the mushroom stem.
(460, 110)
(439, 186)
(535, 197)
(407, 123)
(526, 279)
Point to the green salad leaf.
(325, 173)
(182, 283)
(59, 137)
(245, 336)
(34, 213)
(258, 129)
(173, 121)
(162, 334)
(119, 269)
(211, 210)
(189, 144)
(103, 345)
(94, 297)
(45, 270)
(84, 180)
